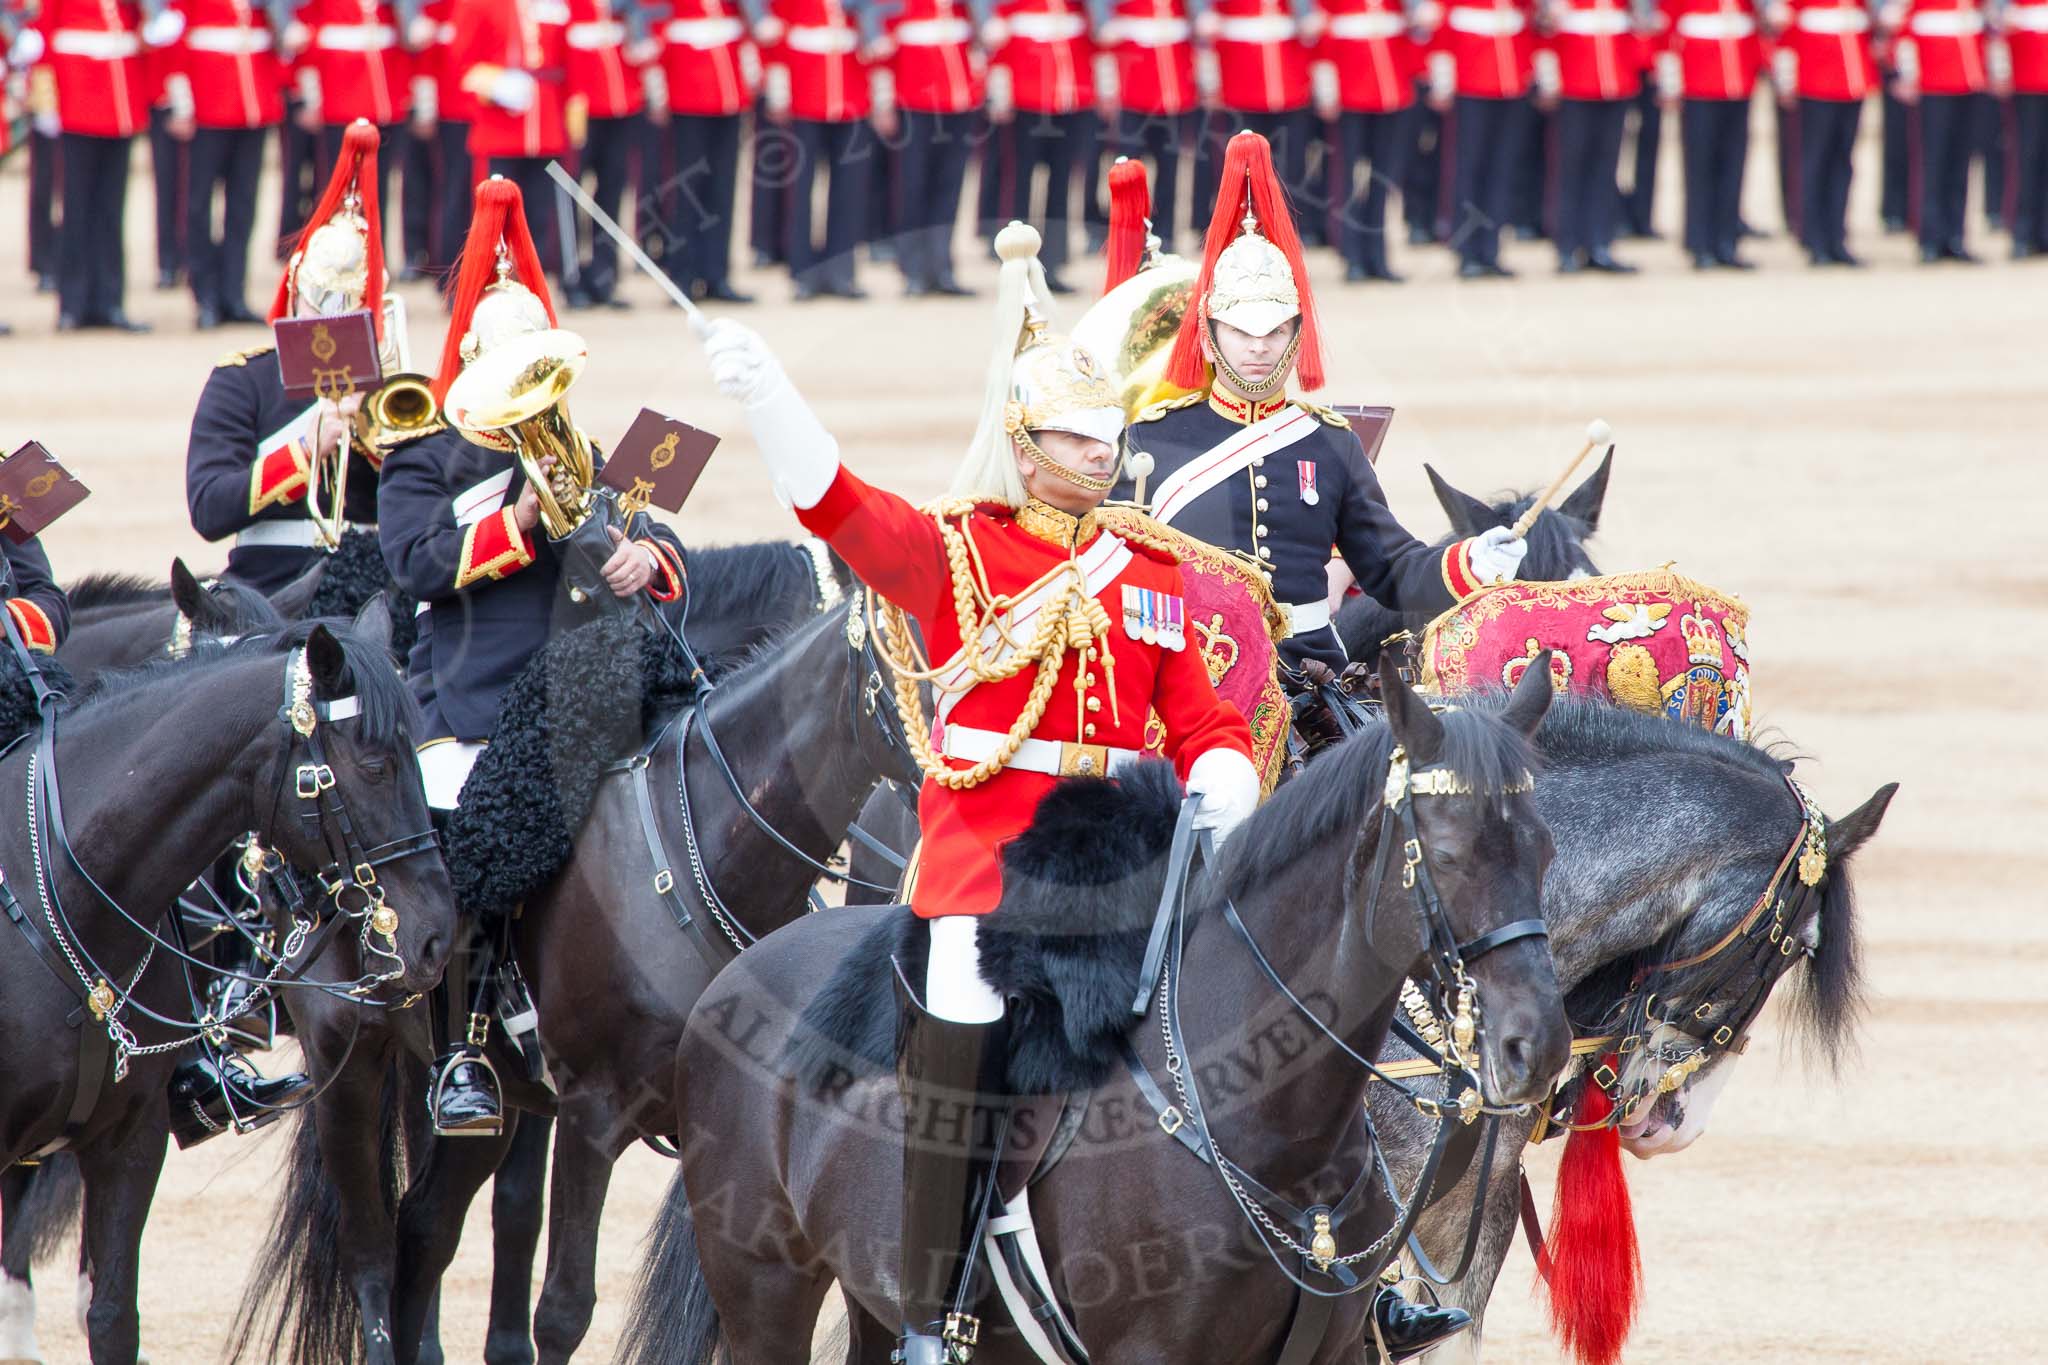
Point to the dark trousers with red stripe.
(228, 160)
(1946, 126)
(421, 191)
(1638, 204)
(1372, 158)
(1058, 144)
(1162, 139)
(697, 194)
(1588, 154)
(1895, 189)
(44, 158)
(606, 166)
(2030, 201)
(456, 199)
(1422, 188)
(1487, 137)
(1827, 146)
(302, 175)
(1716, 138)
(92, 268)
(168, 165)
(931, 174)
(845, 151)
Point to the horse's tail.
(673, 1320)
(300, 1303)
(1595, 1270)
(49, 1212)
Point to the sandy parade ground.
(1856, 454)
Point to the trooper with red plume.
(465, 532)
(1241, 465)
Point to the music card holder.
(656, 463)
(34, 491)
(1369, 423)
(328, 357)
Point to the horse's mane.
(1332, 796)
(115, 590)
(734, 668)
(726, 579)
(389, 715)
(1587, 731)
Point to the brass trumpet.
(400, 410)
(512, 398)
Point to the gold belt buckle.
(1083, 760)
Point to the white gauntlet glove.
(801, 456)
(1227, 787)
(1496, 556)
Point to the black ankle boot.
(463, 1098)
(942, 1068)
(216, 1091)
(1404, 1330)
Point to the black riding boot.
(218, 1090)
(1407, 1329)
(941, 1068)
(463, 1097)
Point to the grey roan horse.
(791, 1188)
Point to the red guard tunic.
(451, 101)
(94, 50)
(1947, 39)
(1376, 59)
(1261, 62)
(820, 48)
(1830, 41)
(598, 71)
(704, 47)
(1598, 55)
(1153, 44)
(1491, 47)
(898, 550)
(2026, 38)
(1049, 56)
(228, 54)
(354, 48)
(1717, 47)
(518, 35)
(934, 65)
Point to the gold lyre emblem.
(100, 999)
(636, 499)
(42, 483)
(663, 455)
(323, 345)
(8, 507)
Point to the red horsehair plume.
(500, 216)
(1130, 215)
(1247, 169)
(1595, 1268)
(356, 169)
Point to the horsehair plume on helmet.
(355, 173)
(1130, 222)
(989, 470)
(499, 220)
(1248, 182)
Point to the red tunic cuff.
(279, 476)
(493, 548)
(1457, 570)
(840, 502)
(33, 624)
(668, 572)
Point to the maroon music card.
(657, 461)
(34, 491)
(1369, 424)
(329, 357)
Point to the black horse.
(304, 738)
(119, 621)
(1557, 551)
(790, 1187)
(1666, 837)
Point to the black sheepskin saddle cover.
(18, 700)
(354, 574)
(588, 699)
(1080, 888)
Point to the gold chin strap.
(1013, 423)
(1263, 388)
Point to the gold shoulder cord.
(1070, 619)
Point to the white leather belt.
(1947, 23)
(230, 41)
(1592, 23)
(548, 12)
(1153, 32)
(356, 38)
(1487, 23)
(1054, 758)
(597, 35)
(1258, 28)
(105, 47)
(2027, 18)
(1304, 617)
(1716, 28)
(704, 34)
(822, 41)
(1833, 21)
(445, 34)
(1365, 27)
(292, 535)
(1047, 28)
(934, 33)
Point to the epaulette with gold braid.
(242, 357)
(1330, 416)
(1160, 409)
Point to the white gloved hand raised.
(1227, 788)
(741, 364)
(1496, 555)
(801, 455)
(514, 90)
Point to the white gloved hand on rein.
(1496, 555)
(1227, 788)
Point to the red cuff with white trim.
(1458, 574)
(33, 624)
(493, 548)
(279, 476)
(667, 585)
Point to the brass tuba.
(1131, 329)
(512, 398)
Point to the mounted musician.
(1214, 462)
(285, 477)
(468, 530)
(38, 608)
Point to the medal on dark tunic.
(1307, 471)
